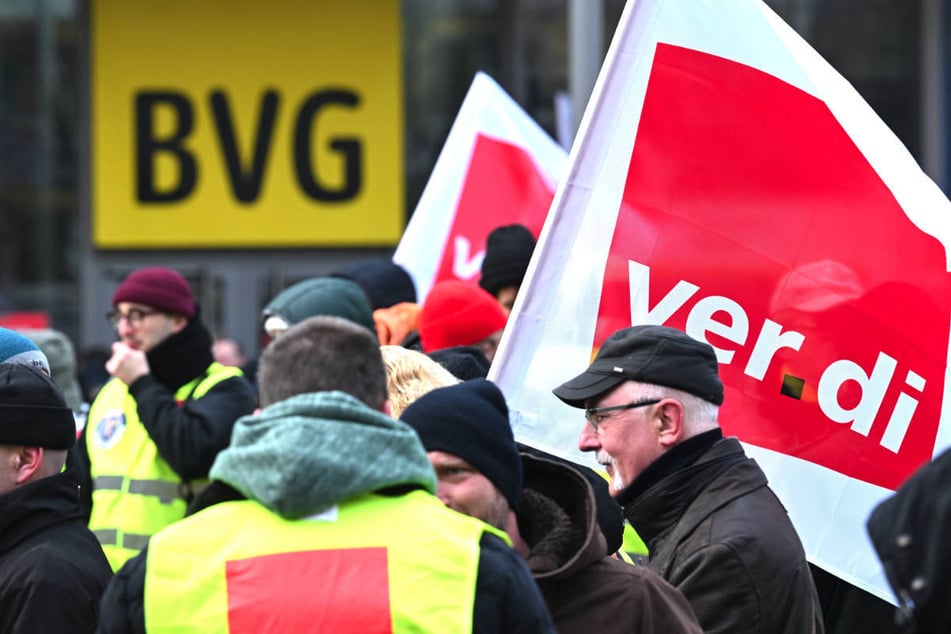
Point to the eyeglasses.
(596, 416)
(134, 317)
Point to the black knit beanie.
(385, 282)
(471, 420)
(463, 362)
(33, 411)
(508, 250)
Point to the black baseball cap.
(659, 355)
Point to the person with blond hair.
(409, 375)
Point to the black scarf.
(183, 356)
(679, 457)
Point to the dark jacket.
(848, 609)
(189, 435)
(910, 533)
(717, 532)
(585, 589)
(52, 570)
(274, 458)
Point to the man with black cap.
(155, 428)
(713, 527)
(52, 569)
(548, 509)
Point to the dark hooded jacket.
(909, 531)
(585, 589)
(717, 532)
(310, 452)
(52, 569)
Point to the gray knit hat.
(61, 354)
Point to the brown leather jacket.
(717, 532)
(586, 590)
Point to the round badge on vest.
(110, 428)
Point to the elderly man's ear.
(670, 422)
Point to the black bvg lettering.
(349, 149)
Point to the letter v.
(462, 266)
(639, 279)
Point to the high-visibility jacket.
(134, 490)
(372, 564)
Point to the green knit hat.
(331, 296)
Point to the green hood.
(302, 455)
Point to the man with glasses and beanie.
(154, 429)
(714, 528)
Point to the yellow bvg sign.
(246, 123)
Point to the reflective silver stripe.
(112, 483)
(134, 541)
(166, 492)
(106, 536)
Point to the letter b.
(148, 144)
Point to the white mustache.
(604, 458)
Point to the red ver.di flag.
(497, 167)
(728, 182)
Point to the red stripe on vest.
(337, 591)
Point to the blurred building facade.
(895, 52)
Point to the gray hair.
(700, 415)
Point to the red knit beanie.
(159, 288)
(458, 314)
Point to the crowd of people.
(362, 475)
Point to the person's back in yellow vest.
(321, 517)
(321, 572)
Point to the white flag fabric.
(728, 182)
(497, 167)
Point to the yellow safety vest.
(372, 564)
(134, 491)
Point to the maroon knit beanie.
(458, 314)
(159, 288)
